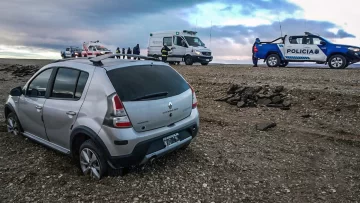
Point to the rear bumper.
(202, 59)
(153, 148)
(126, 147)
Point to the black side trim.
(121, 142)
(94, 137)
(10, 107)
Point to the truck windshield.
(194, 41)
(101, 48)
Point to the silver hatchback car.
(106, 113)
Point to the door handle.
(38, 107)
(71, 113)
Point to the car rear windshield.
(135, 82)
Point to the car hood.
(201, 49)
(346, 45)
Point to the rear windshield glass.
(138, 81)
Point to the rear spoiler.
(282, 38)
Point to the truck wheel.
(284, 63)
(273, 60)
(337, 62)
(188, 60)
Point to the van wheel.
(273, 60)
(13, 124)
(337, 62)
(92, 160)
(188, 60)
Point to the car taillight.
(119, 116)
(194, 100)
(255, 49)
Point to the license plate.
(207, 59)
(172, 139)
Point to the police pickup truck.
(306, 48)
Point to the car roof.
(112, 63)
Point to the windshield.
(194, 41)
(326, 40)
(101, 48)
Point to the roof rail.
(97, 60)
(69, 59)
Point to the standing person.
(254, 50)
(164, 53)
(118, 52)
(123, 52)
(129, 52)
(136, 51)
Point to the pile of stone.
(21, 70)
(247, 96)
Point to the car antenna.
(280, 26)
(210, 33)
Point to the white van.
(185, 46)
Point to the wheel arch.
(8, 109)
(336, 53)
(273, 52)
(82, 133)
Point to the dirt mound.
(254, 96)
(21, 70)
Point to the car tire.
(92, 160)
(13, 124)
(273, 60)
(204, 64)
(337, 62)
(284, 63)
(188, 60)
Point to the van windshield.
(194, 41)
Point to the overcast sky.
(42, 28)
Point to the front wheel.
(13, 124)
(188, 60)
(273, 60)
(337, 62)
(92, 160)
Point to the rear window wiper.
(148, 96)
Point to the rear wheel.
(92, 160)
(188, 60)
(337, 62)
(273, 60)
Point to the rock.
(241, 104)
(257, 88)
(286, 103)
(240, 90)
(285, 108)
(251, 103)
(232, 101)
(264, 101)
(265, 126)
(275, 105)
(224, 98)
(232, 89)
(337, 109)
(312, 98)
(279, 88)
(306, 115)
(276, 100)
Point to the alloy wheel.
(90, 164)
(337, 62)
(272, 61)
(12, 126)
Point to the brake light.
(255, 49)
(194, 100)
(120, 119)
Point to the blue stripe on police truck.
(297, 57)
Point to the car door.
(31, 104)
(294, 49)
(178, 49)
(316, 51)
(64, 102)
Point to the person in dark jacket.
(254, 50)
(164, 53)
(118, 52)
(123, 52)
(136, 51)
(128, 52)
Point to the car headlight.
(197, 52)
(354, 49)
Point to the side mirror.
(15, 92)
(322, 42)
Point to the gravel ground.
(312, 155)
